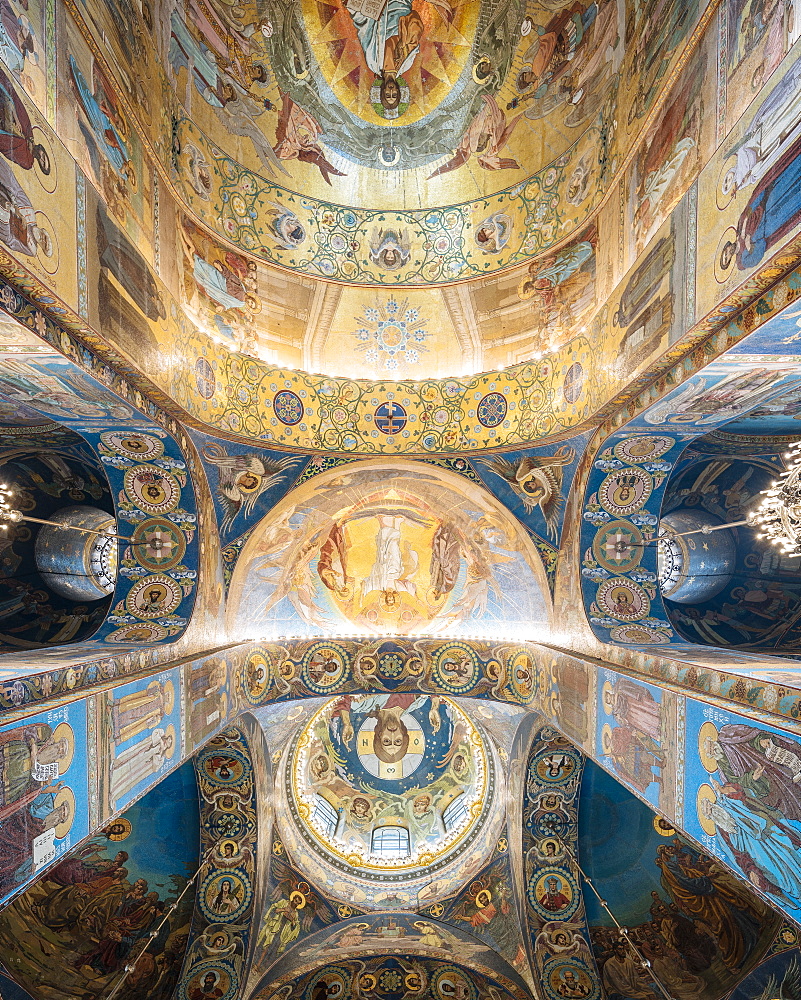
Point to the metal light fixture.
(8, 515)
(779, 514)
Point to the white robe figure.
(138, 762)
(388, 569)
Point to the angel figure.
(238, 117)
(485, 137)
(390, 249)
(296, 139)
(243, 479)
(537, 480)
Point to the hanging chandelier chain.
(644, 962)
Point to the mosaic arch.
(151, 488)
(388, 549)
(626, 487)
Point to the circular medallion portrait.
(622, 599)
(211, 980)
(456, 667)
(644, 448)
(553, 894)
(133, 444)
(622, 493)
(325, 667)
(225, 896)
(152, 489)
(154, 597)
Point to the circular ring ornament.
(638, 634)
(224, 767)
(491, 410)
(211, 979)
(623, 599)
(257, 673)
(152, 489)
(555, 767)
(154, 597)
(336, 985)
(324, 668)
(553, 894)
(132, 444)
(146, 632)
(456, 668)
(618, 546)
(625, 492)
(450, 981)
(522, 675)
(158, 544)
(288, 407)
(643, 449)
(570, 977)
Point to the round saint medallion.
(204, 378)
(491, 410)
(570, 979)
(288, 407)
(138, 633)
(152, 489)
(390, 418)
(618, 546)
(257, 676)
(324, 667)
(556, 767)
(622, 493)
(154, 597)
(622, 599)
(158, 544)
(639, 634)
(225, 895)
(456, 668)
(643, 449)
(134, 445)
(553, 893)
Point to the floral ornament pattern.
(391, 334)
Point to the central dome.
(389, 783)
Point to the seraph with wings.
(243, 478)
(537, 480)
(790, 988)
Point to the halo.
(607, 695)
(480, 80)
(724, 200)
(708, 731)
(663, 828)
(721, 275)
(524, 293)
(126, 829)
(606, 739)
(63, 731)
(169, 697)
(482, 892)
(49, 262)
(170, 731)
(52, 177)
(295, 895)
(66, 795)
(706, 793)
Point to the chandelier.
(779, 514)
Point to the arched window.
(325, 815)
(455, 813)
(391, 841)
